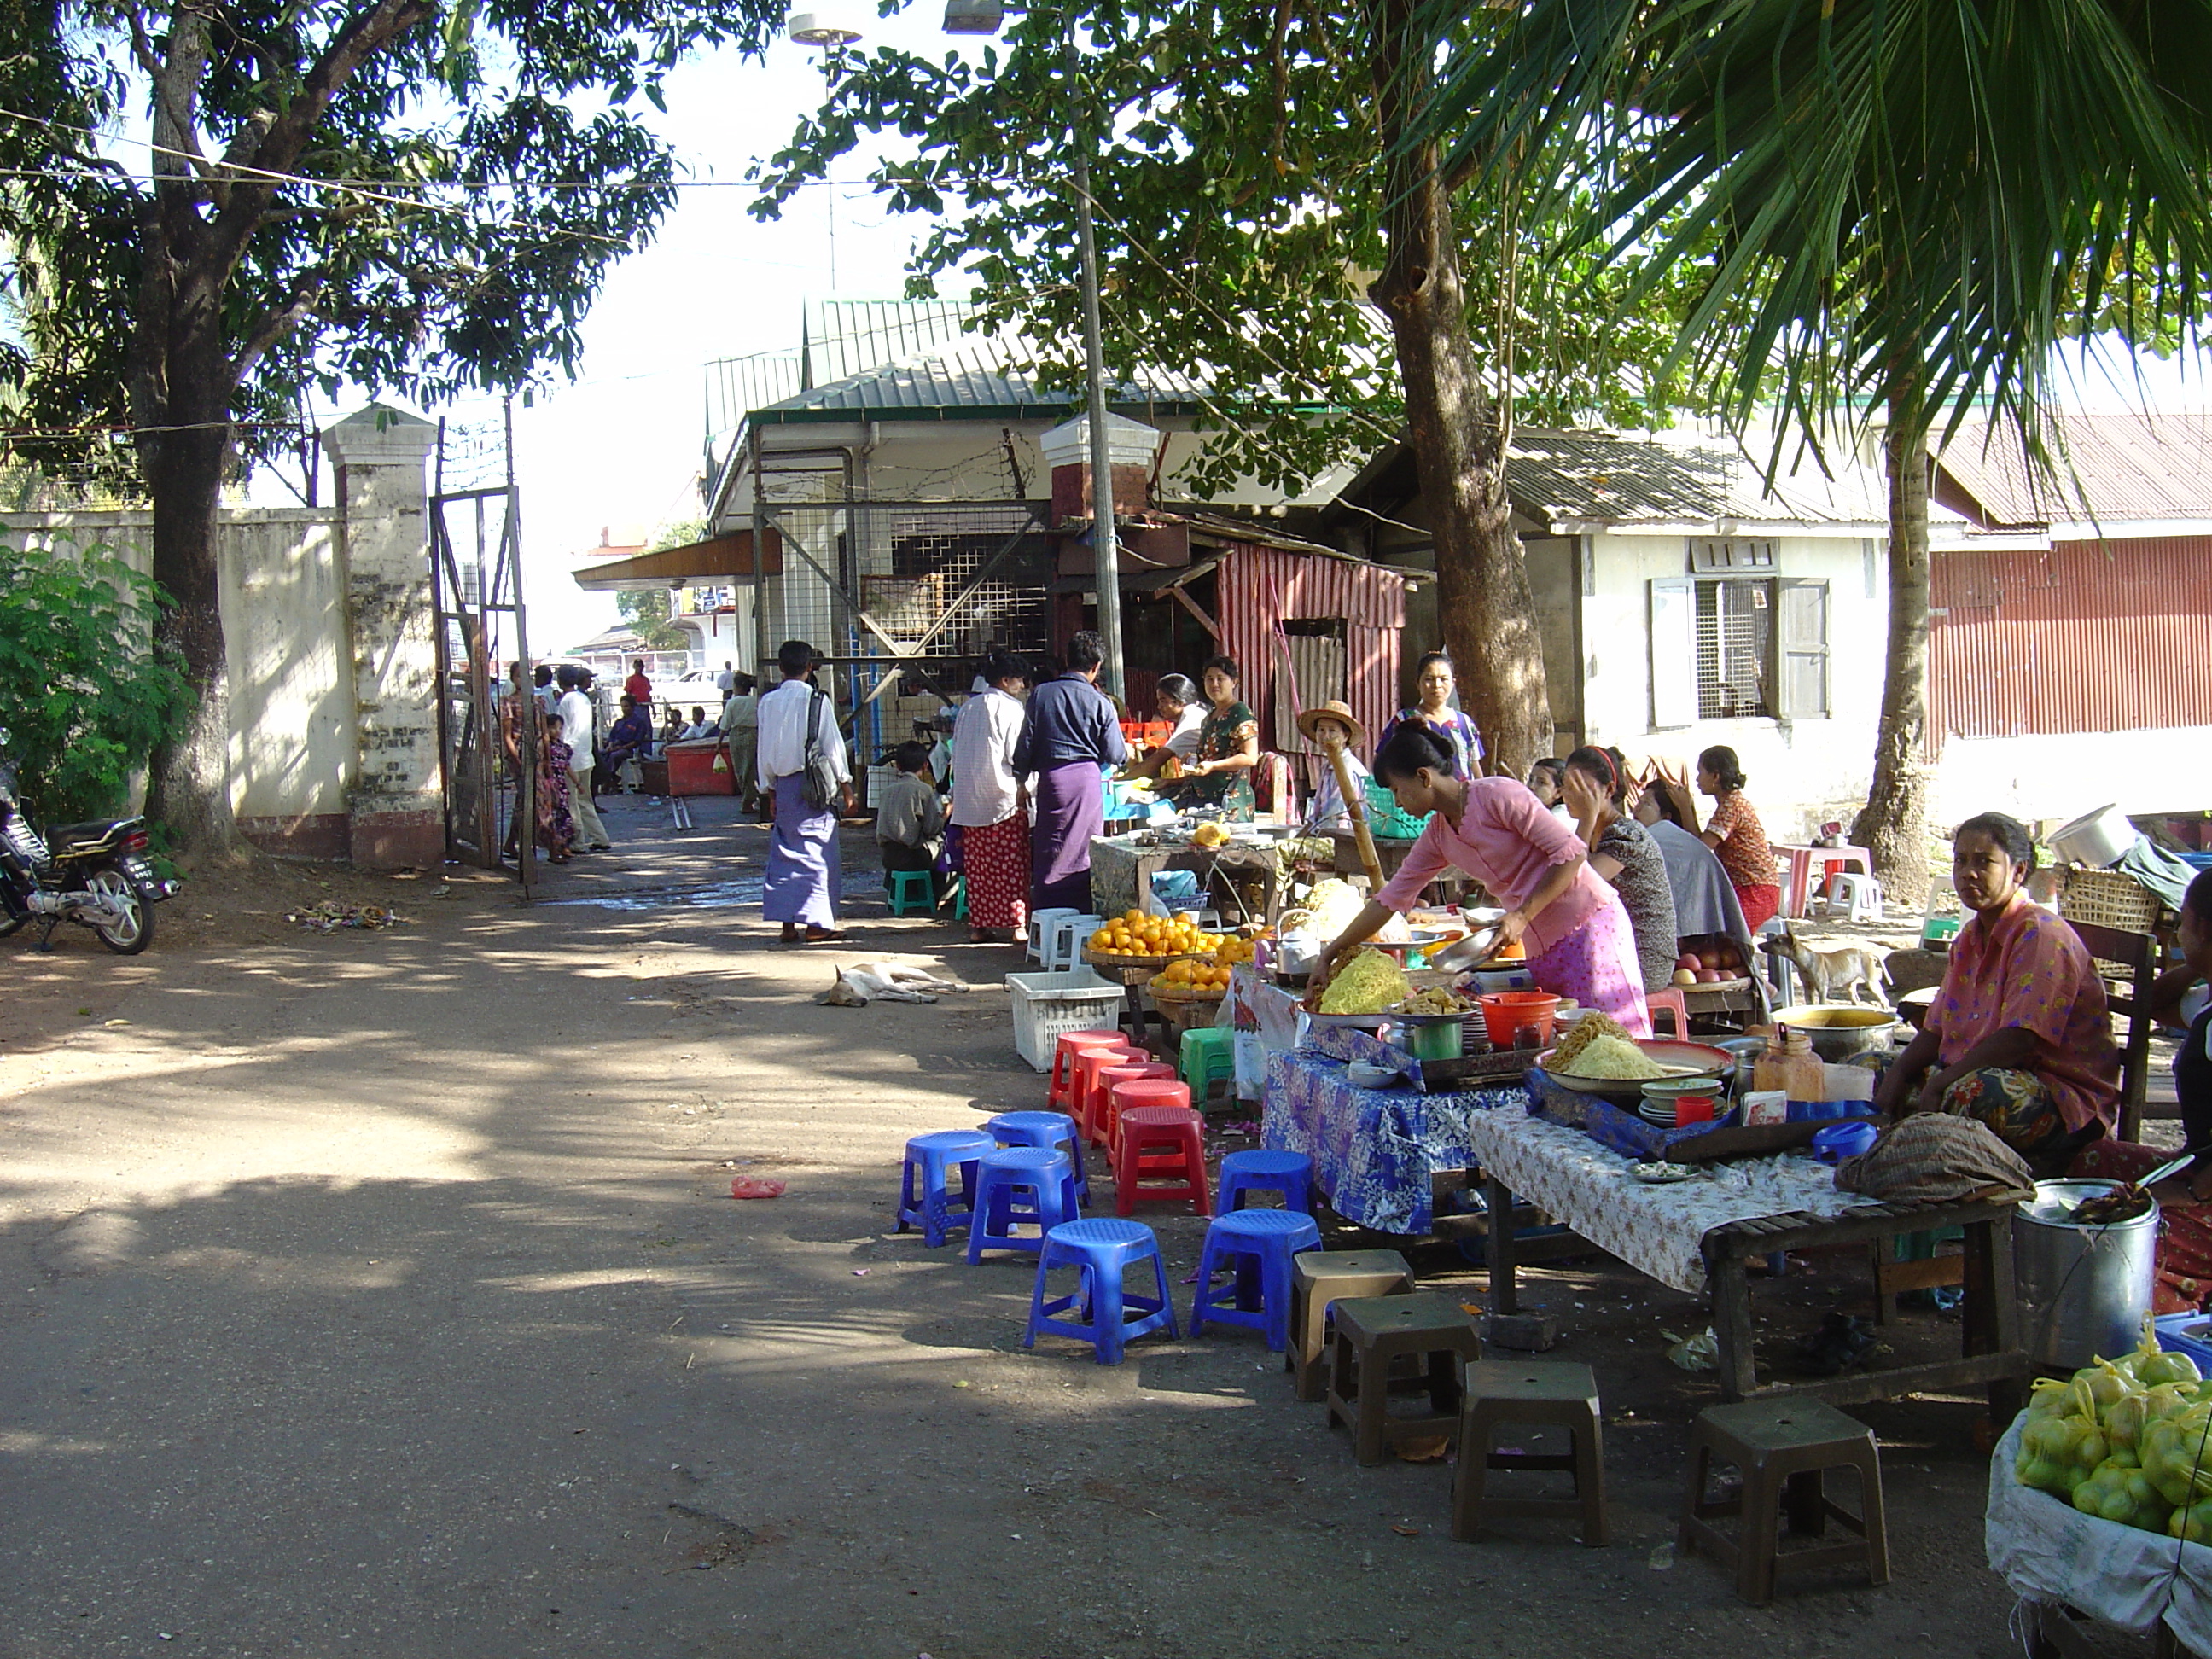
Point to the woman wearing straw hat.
(1330, 813)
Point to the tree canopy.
(1238, 179)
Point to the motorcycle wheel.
(134, 930)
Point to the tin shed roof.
(1566, 477)
(971, 379)
(2112, 466)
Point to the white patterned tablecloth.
(1654, 1229)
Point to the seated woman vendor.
(1580, 943)
(2019, 1036)
(1178, 704)
(2179, 1000)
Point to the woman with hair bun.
(1622, 852)
(1436, 684)
(1737, 837)
(2019, 1037)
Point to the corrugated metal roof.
(845, 338)
(1597, 476)
(975, 376)
(2118, 465)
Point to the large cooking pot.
(1839, 1030)
(2098, 838)
(2084, 1289)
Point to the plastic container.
(691, 771)
(2187, 1333)
(1841, 1140)
(2084, 1289)
(1491, 981)
(1384, 819)
(1506, 1014)
(1793, 1068)
(1047, 1006)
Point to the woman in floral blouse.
(1434, 683)
(2019, 1037)
(1220, 774)
(1737, 837)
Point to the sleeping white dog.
(885, 982)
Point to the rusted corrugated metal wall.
(1259, 585)
(2092, 637)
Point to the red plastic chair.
(1105, 1110)
(1089, 1062)
(1671, 1002)
(1163, 1144)
(1061, 1097)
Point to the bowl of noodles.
(1598, 1057)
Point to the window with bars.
(1734, 632)
(1730, 648)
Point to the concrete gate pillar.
(396, 805)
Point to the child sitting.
(910, 818)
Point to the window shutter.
(1673, 652)
(1801, 649)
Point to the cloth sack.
(819, 786)
(1937, 1157)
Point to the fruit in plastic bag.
(2050, 1396)
(2098, 1388)
(2150, 1365)
(2170, 1450)
(2054, 1454)
(2193, 1524)
(2125, 1496)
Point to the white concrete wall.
(283, 617)
(1801, 772)
(2062, 775)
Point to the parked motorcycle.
(94, 874)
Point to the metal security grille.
(1735, 631)
(923, 588)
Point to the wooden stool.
(1781, 1446)
(1373, 1331)
(1549, 1393)
(1319, 1279)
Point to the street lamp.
(827, 23)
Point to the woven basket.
(2108, 898)
(1185, 1011)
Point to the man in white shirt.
(727, 678)
(803, 873)
(579, 722)
(988, 802)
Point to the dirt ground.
(380, 1293)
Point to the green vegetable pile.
(2121, 1441)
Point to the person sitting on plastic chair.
(910, 817)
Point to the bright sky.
(621, 448)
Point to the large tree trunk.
(190, 789)
(1893, 826)
(1458, 430)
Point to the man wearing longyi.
(1581, 945)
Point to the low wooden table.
(1992, 1357)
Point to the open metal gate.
(488, 742)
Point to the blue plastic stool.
(1004, 1173)
(899, 889)
(1289, 1174)
(1108, 1314)
(1046, 1129)
(1255, 1247)
(923, 1199)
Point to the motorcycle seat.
(76, 834)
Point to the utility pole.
(1104, 543)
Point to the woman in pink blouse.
(2019, 1037)
(1580, 943)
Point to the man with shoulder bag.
(802, 770)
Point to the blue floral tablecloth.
(1373, 1150)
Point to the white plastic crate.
(1047, 1006)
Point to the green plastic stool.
(959, 897)
(1208, 1057)
(900, 888)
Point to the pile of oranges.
(1232, 951)
(1132, 933)
(1194, 978)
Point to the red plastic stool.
(1062, 1095)
(1089, 1062)
(1105, 1111)
(1160, 1143)
(1671, 1001)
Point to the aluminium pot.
(2084, 1289)
(2099, 839)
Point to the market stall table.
(1122, 868)
(1701, 1234)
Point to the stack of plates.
(1658, 1112)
